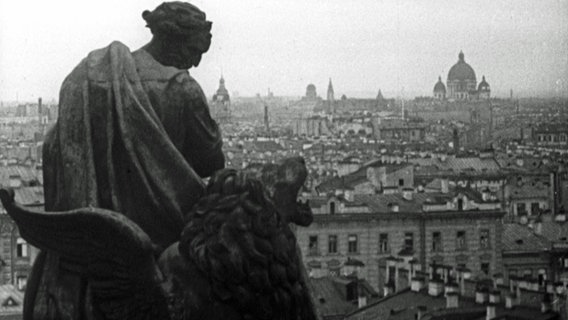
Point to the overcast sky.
(362, 45)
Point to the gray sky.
(363, 45)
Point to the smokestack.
(456, 141)
(266, 122)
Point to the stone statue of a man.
(134, 135)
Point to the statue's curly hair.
(180, 20)
(236, 237)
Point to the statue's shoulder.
(151, 70)
(99, 64)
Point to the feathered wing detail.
(114, 253)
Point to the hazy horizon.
(400, 47)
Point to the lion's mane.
(236, 237)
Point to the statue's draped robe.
(132, 136)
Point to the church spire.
(461, 56)
(330, 92)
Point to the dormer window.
(332, 207)
(21, 248)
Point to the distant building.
(330, 103)
(440, 90)
(311, 94)
(461, 229)
(462, 83)
(551, 135)
(399, 130)
(221, 104)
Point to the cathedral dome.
(483, 85)
(311, 91)
(461, 71)
(440, 87)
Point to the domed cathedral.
(461, 83)
(311, 93)
(221, 104)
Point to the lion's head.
(238, 235)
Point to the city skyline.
(399, 47)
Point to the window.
(541, 277)
(512, 272)
(535, 208)
(332, 244)
(436, 242)
(461, 240)
(352, 244)
(484, 239)
(21, 282)
(460, 204)
(485, 268)
(334, 272)
(313, 245)
(21, 248)
(521, 209)
(409, 241)
(400, 182)
(384, 242)
(527, 273)
(332, 207)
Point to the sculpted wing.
(114, 253)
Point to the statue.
(236, 258)
(123, 166)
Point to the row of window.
(408, 243)
(552, 137)
(522, 208)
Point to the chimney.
(491, 311)
(495, 296)
(538, 226)
(435, 287)
(445, 185)
(486, 195)
(417, 284)
(481, 296)
(388, 289)
(407, 193)
(451, 287)
(452, 300)
(15, 181)
(362, 301)
(394, 207)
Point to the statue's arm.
(203, 143)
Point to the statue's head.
(183, 31)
